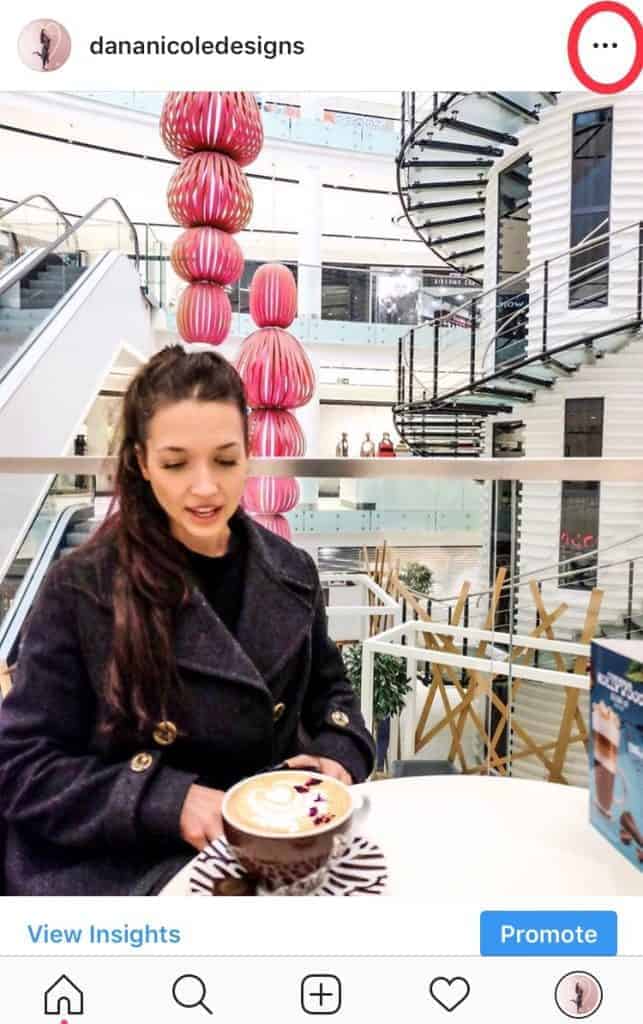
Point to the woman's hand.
(321, 764)
(201, 816)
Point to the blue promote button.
(548, 933)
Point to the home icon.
(63, 998)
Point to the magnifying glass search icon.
(189, 992)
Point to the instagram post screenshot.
(321, 512)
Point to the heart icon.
(449, 992)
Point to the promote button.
(548, 933)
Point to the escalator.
(62, 523)
(72, 300)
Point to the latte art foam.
(287, 803)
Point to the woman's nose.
(205, 485)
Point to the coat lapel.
(276, 611)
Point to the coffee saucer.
(360, 870)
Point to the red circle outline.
(574, 36)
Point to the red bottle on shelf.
(386, 448)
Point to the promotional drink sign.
(616, 745)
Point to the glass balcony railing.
(359, 305)
(360, 133)
(311, 329)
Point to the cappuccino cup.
(284, 825)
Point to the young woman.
(182, 649)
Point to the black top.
(220, 580)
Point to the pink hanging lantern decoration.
(270, 494)
(275, 370)
(275, 433)
(273, 296)
(204, 313)
(210, 188)
(278, 376)
(214, 134)
(207, 254)
(229, 122)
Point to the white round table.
(487, 840)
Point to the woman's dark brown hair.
(150, 584)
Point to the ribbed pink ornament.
(275, 433)
(276, 524)
(207, 254)
(270, 494)
(273, 296)
(203, 313)
(210, 188)
(275, 370)
(227, 121)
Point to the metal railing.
(429, 356)
(624, 570)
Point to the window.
(345, 293)
(580, 500)
(513, 257)
(590, 207)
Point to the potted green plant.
(417, 577)
(391, 684)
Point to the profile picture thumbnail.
(44, 45)
(578, 994)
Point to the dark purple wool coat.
(86, 815)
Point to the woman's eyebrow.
(177, 448)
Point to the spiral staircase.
(449, 143)
(488, 356)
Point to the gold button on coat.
(141, 762)
(165, 733)
(278, 711)
(340, 718)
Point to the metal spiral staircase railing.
(449, 143)
(490, 355)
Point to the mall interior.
(469, 289)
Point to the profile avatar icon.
(578, 995)
(44, 45)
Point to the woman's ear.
(140, 458)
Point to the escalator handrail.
(37, 195)
(87, 216)
(73, 228)
(12, 623)
(24, 202)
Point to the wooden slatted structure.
(572, 727)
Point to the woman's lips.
(204, 513)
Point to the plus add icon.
(321, 993)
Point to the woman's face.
(196, 463)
